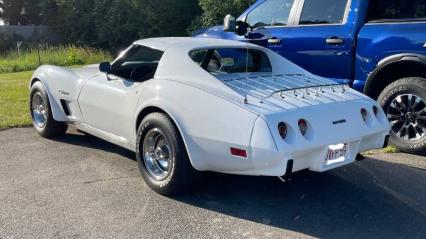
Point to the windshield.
(231, 60)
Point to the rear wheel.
(41, 113)
(404, 102)
(162, 157)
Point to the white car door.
(108, 101)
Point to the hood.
(86, 72)
(213, 32)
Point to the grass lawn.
(69, 55)
(14, 99)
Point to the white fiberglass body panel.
(219, 111)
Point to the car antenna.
(246, 78)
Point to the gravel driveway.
(80, 187)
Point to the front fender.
(58, 84)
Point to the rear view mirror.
(229, 23)
(105, 67)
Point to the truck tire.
(162, 157)
(404, 102)
(41, 113)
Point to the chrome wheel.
(157, 154)
(39, 109)
(407, 114)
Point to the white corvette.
(186, 105)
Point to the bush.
(34, 56)
(8, 41)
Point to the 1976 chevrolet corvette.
(186, 105)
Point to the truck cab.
(376, 46)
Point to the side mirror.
(229, 23)
(242, 28)
(105, 67)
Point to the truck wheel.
(162, 156)
(41, 113)
(404, 102)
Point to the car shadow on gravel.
(371, 199)
(88, 141)
(368, 199)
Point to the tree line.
(113, 24)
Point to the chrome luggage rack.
(264, 87)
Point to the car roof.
(164, 43)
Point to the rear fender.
(208, 124)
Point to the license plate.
(337, 152)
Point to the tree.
(21, 12)
(114, 24)
(214, 11)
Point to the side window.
(139, 63)
(396, 9)
(270, 13)
(323, 12)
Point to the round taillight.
(376, 111)
(303, 126)
(364, 114)
(282, 129)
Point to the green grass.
(390, 150)
(14, 100)
(53, 55)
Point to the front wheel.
(404, 102)
(41, 113)
(162, 157)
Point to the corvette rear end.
(312, 123)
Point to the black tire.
(406, 115)
(180, 173)
(50, 128)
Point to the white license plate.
(337, 152)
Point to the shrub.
(34, 56)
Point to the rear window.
(231, 60)
(381, 10)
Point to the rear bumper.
(277, 163)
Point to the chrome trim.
(157, 154)
(39, 109)
(290, 85)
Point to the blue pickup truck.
(376, 46)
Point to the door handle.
(334, 41)
(274, 41)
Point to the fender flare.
(388, 61)
(57, 111)
(159, 104)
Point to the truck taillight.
(282, 129)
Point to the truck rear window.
(394, 10)
(231, 60)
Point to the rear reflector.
(239, 152)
